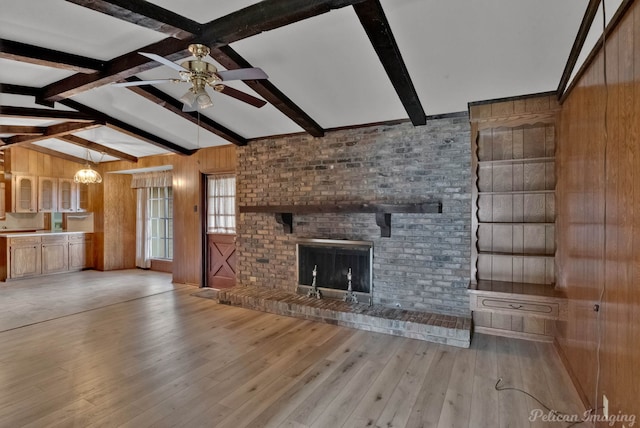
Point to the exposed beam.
(78, 141)
(264, 16)
(22, 130)
(7, 88)
(374, 21)
(164, 100)
(46, 151)
(127, 129)
(230, 59)
(116, 69)
(52, 131)
(252, 20)
(23, 52)
(145, 14)
(43, 113)
(578, 43)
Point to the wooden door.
(221, 260)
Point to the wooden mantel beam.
(23, 52)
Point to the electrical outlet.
(605, 406)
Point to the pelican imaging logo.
(613, 420)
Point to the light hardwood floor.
(130, 349)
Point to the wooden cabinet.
(23, 194)
(55, 254)
(67, 195)
(80, 252)
(513, 218)
(25, 257)
(82, 197)
(42, 254)
(47, 194)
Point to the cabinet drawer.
(54, 239)
(24, 240)
(513, 306)
(80, 237)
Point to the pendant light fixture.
(87, 175)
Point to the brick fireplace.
(423, 265)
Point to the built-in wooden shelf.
(516, 161)
(511, 223)
(284, 213)
(514, 289)
(513, 254)
(517, 192)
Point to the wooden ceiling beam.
(117, 69)
(164, 100)
(7, 88)
(23, 52)
(145, 14)
(375, 24)
(127, 129)
(52, 131)
(50, 152)
(230, 59)
(264, 16)
(22, 130)
(252, 20)
(78, 141)
(43, 113)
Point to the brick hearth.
(447, 329)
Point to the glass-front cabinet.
(25, 194)
(48, 194)
(67, 198)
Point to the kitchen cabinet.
(80, 252)
(67, 198)
(23, 194)
(25, 257)
(43, 253)
(47, 194)
(55, 254)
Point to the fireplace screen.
(332, 260)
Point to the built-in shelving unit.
(513, 219)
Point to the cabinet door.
(66, 195)
(80, 253)
(25, 261)
(82, 193)
(25, 194)
(47, 194)
(55, 257)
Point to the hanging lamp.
(87, 175)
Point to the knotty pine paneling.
(598, 222)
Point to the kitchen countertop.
(7, 233)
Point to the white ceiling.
(456, 52)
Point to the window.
(221, 204)
(160, 221)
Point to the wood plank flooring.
(128, 348)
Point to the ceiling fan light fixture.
(204, 100)
(189, 98)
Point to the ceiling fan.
(202, 74)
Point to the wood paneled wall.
(115, 210)
(598, 223)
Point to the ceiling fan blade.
(143, 82)
(243, 74)
(242, 96)
(164, 61)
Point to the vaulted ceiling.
(331, 64)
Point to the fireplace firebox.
(332, 259)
